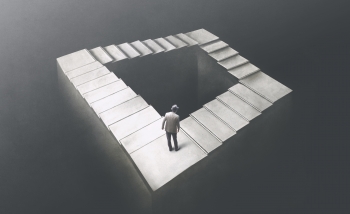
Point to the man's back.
(172, 122)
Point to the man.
(172, 126)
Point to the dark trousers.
(168, 136)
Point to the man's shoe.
(177, 149)
(170, 149)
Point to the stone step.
(189, 41)
(250, 97)
(178, 43)
(213, 46)
(113, 100)
(199, 134)
(141, 48)
(101, 55)
(84, 69)
(213, 124)
(123, 110)
(97, 83)
(231, 118)
(238, 105)
(79, 80)
(131, 124)
(223, 53)
(167, 46)
(104, 91)
(153, 46)
(233, 62)
(202, 36)
(115, 52)
(243, 70)
(266, 86)
(143, 136)
(128, 50)
(75, 60)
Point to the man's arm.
(164, 119)
(178, 123)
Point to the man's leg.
(168, 136)
(175, 141)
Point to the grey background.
(294, 159)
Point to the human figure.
(172, 126)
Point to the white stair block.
(165, 44)
(100, 55)
(104, 91)
(134, 122)
(233, 62)
(202, 36)
(84, 69)
(250, 97)
(75, 60)
(115, 52)
(214, 46)
(223, 53)
(266, 86)
(175, 41)
(153, 46)
(186, 39)
(97, 83)
(243, 70)
(230, 117)
(238, 105)
(213, 124)
(141, 48)
(89, 76)
(129, 51)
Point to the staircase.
(137, 125)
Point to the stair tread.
(97, 83)
(84, 69)
(94, 74)
(115, 52)
(75, 60)
(202, 36)
(243, 70)
(186, 39)
(104, 91)
(141, 48)
(176, 42)
(214, 46)
(101, 55)
(128, 50)
(165, 44)
(153, 46)
(223, 53)
(233, 62)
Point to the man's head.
(174, 108)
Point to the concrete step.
(213, 124)
(189, 41)
(143, 136)
(158, 165)
(250, 97)
(84, 69)
(104, 91)
(131, 124)
(233, 62)
(141, 48)
(123, 110)
(213, 46)
(202, 36)
(266, 86)
(101, 55)
(178, 43)
(89, 76)
(243, 70)
(223, 53)
(231, 118)
(113, 100)
(199, 134)
(238, 105)
(115, 52)
(75, 60)
(128, 50)
(97, 83)
(153, 46)
(165, 44)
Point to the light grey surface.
(216, 126)
(153, 46)
(84, 69)
(202, 36)
(223, 53)
(243, 70)
(233, 62)
(113, 100)
(186, 39)
(165, 44)
(251, 97)
(141, 48)
(143, 136)
(123, 110)
(230, 117)
(89, 76)
(214, 46)
(202, 137)
(266, 86)
(100, 55)
(114, 52)
(239, 105)
(75, 60)
(97, 83)
(104, 91)
(176, 42)
(128, 50)
(158, 165)
(134, 122)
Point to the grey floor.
(293, 159)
